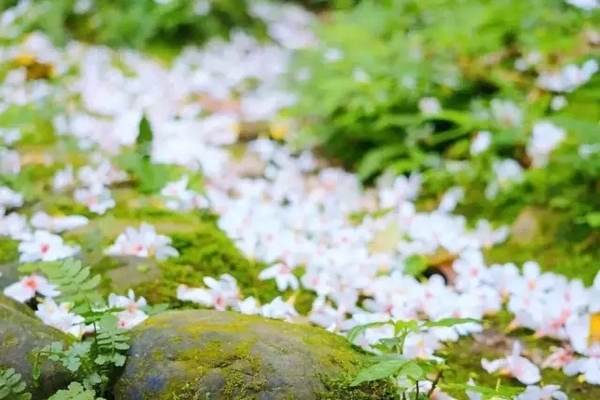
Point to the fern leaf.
(112, 342)
(75, 391)
(74, 283)
(11, 385)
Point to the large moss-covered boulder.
(200, 354)
(20, 333)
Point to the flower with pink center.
(515, 366)
(45, 246)
(26, 289)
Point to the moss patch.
(339, 388)
(8, 250)
(464, 359)
(241, 357)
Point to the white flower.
(548, 392)
(558, 103)
(481, 142)
(63, 179)
(514, 365)
(10, 161)
(506, 113)
(545, 137)
(219, 294)
(45, 246)
(61, 317)
(25, 289)
(279, 309)
(144, 242)
(430, 106)
(249, 306)
(282, 272)
(97, 198)
(10, 198)
(41, 220)
(506, 172)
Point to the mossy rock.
(9, 261)
(123, 272)
(20, 333)
(8, 250)
(9, 274)
(200, 354)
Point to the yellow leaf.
(24, 59)
(594, 328)
(278, 131)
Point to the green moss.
(242, 372)
(340, 388)
(560, 245)
(573, 257)
(241, 364)
(64, 205)
(464, 360)
(8, 250)
(204, 251)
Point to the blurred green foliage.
(383, 63)
(138, 23)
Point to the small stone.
(194, 354)
(20, 333)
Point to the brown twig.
(435, 383)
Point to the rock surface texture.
(21, 332)
(214, 355)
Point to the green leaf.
(11, 385)
(381, 370)
(388, 357)
(412, 371)
(75, 391)
(449, 322)
(73, 281)
(591, 219)
(155, 309)
(143, 142)
(415, 265)
(376, 160)
(408, 326)
(353, 333)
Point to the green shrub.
(138, 23)
(379, 60)
(405, 86)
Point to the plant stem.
(435, 383)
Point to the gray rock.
(129, 271)
(205, 354)
(20, 333)
(9, 274)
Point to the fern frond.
(75, 391)
(74, 283)
(111, 342)
(11, 385)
